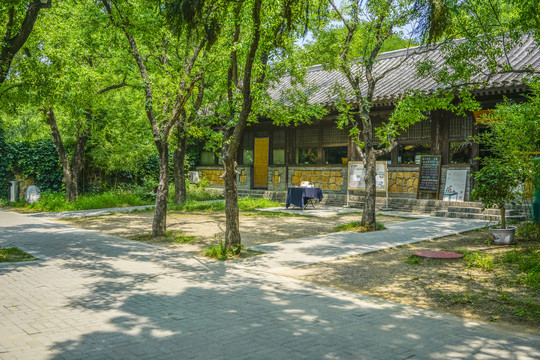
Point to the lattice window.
(307, 136)
(278, 139)
(247, 140)
(460, 128)
(334, 136)
(420, 131)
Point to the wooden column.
(436, 136)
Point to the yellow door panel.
(260, 162)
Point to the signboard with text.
(430, 170)
(357, 175)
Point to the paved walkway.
(93, 296)
(315, 249)
(87, 213)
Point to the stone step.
(476, 216)
(478, 210)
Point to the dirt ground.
(209, 227)
(447, 286)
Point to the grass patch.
(247, 203)
(358, 226)
(413, 260)
(190, 206)
(527, 261)
(252, 203)
(14, 254)
(170, 236)
(479, 260)
(221, 252)
(51, 202)
(528, 231)
(196, 193)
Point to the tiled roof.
(404, 78)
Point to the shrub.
(220, 251)
(110, 199)
(478, 260)
(528, 230)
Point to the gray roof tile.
(405, 78)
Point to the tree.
(513, 141)
(365, 29)
(169, 71)
(255, 38)
(68, 70)
(19, 17)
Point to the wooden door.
(260, 162)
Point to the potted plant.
(498, 183)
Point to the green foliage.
(190, 205)
(5, 162)
(200, 193)
(251, 203)
(14, 254)
(169, 236)
(528, 262)
(478, 260)
(110, 199)
(528, 230)
(358, 226)
(38, 160)
(413, 260)
(220, 251)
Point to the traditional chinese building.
(271, 158)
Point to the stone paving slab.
(94, 296)
(87, 213)
(315, 249)
(325, 211)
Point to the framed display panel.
(429, 177)
(357, 174)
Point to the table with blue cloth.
(299, 196)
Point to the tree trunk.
(232, 223)
(73, 170)
(179, 169)
(368, 216)
(159, 225)
(503, 216)
(71, 184)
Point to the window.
(461, 152)
(279, 156)
(307, 140)
(335, 155)
(308, 155)
(247, 157)
(460, 128)
(420, 131)
(207, 158)
(278, 147)
(410, 153)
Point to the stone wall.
(24, 183)
(244, 177)
(328, 179)
(277, 178)
(403, 181)
(213, 175)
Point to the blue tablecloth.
(298, 196)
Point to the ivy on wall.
(38, 160)
(5, 165)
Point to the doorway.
(260, 162)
